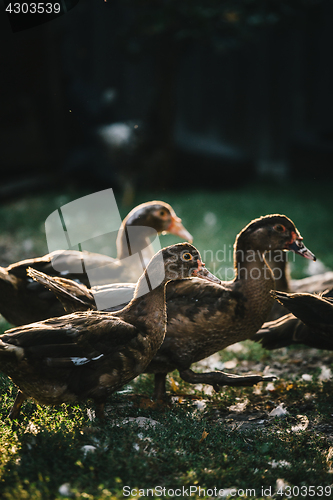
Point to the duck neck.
(256, 280)
(147, 311)
(278, 262)
(129, 243)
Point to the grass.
(199, 438)
(44, 450)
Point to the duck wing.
(77, 297)
(316, 311)
(72, 295)
(290, 330)
(199, 300)
(81, 355)
(77, 338)
(310, 322)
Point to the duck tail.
(73, 296)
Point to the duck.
(309, 322)
(157, 215)
(24, 301)
(206, 317)
(283, 282)
(91, 354)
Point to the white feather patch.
(82, 361)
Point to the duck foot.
(218, 379)
(19, 400)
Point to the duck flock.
(177, 313)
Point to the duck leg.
(100, 405)
(15, 411)
(159, 389)
(218, 379)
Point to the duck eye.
(187, 256)
(162, 213)
(279, 228)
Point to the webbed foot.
(218, 379)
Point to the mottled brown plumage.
(92, 354)
(226, 313)
(310, 322)
(24, 301)
(204, 317)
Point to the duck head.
(187, 260)
(272, 232)
(160, 216)
(177, 262)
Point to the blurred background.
(222, 108)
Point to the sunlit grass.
(44, 449)
(185, 447)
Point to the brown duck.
(310, 322)
(204, 318)
(24, 301)
(283, 282)
(91, 354)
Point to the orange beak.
(176, 227)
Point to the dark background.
(226, 90)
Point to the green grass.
(199, 440)
(44, 450)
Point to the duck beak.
(297, 246)
(176, 227)
(202, 272)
